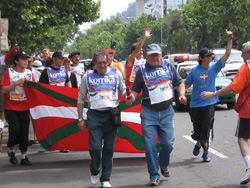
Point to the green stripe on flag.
(59, 134)
(124, 106)
(11, 60)
(51, 93)
(133, 137)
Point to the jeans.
(162, 123)
(102, 137)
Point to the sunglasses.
(101, 62)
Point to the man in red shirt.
(135, 59)
(16, 106)
(239, 83)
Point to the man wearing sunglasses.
(102, 86)
(202, 77)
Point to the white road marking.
(210, 149)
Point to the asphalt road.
(64, 170)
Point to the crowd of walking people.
(154, 76)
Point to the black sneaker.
(30, 142)
(26, 161)
(13, 159)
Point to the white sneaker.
(154, 182)
(106, 184)
(94, 179)
(246, 178)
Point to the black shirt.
(73, 80)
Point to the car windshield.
(233, 58)
(184, 71)
(221, 74)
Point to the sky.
(109, 8)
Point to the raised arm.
(229, 47)
(138, 47)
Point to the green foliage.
(201, 23)
(102, 33)
(211, 18)
(36, 24)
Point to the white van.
(233, 63)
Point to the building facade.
(157, 8)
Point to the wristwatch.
(214, 94)
(80, 119)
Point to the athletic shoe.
(154, 182)
(205, 157)
(106, 184)
(165, 172)
(26, 161)
(246, 178)
(94, 179)
(196, 150)
(13, 159)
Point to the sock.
(247, 161)
(23, 156)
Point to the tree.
(35, 24)
(211, 18)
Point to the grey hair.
(101, 53)
(246, 46)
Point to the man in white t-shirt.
(77, 68)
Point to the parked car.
(233, 63)
(221, 81)
(180, 58)
(86, 63)
(173, 60)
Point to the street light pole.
(111, 36)
(161, 19)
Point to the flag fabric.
(8, 58)
(54, 113)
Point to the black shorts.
(243, 128)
